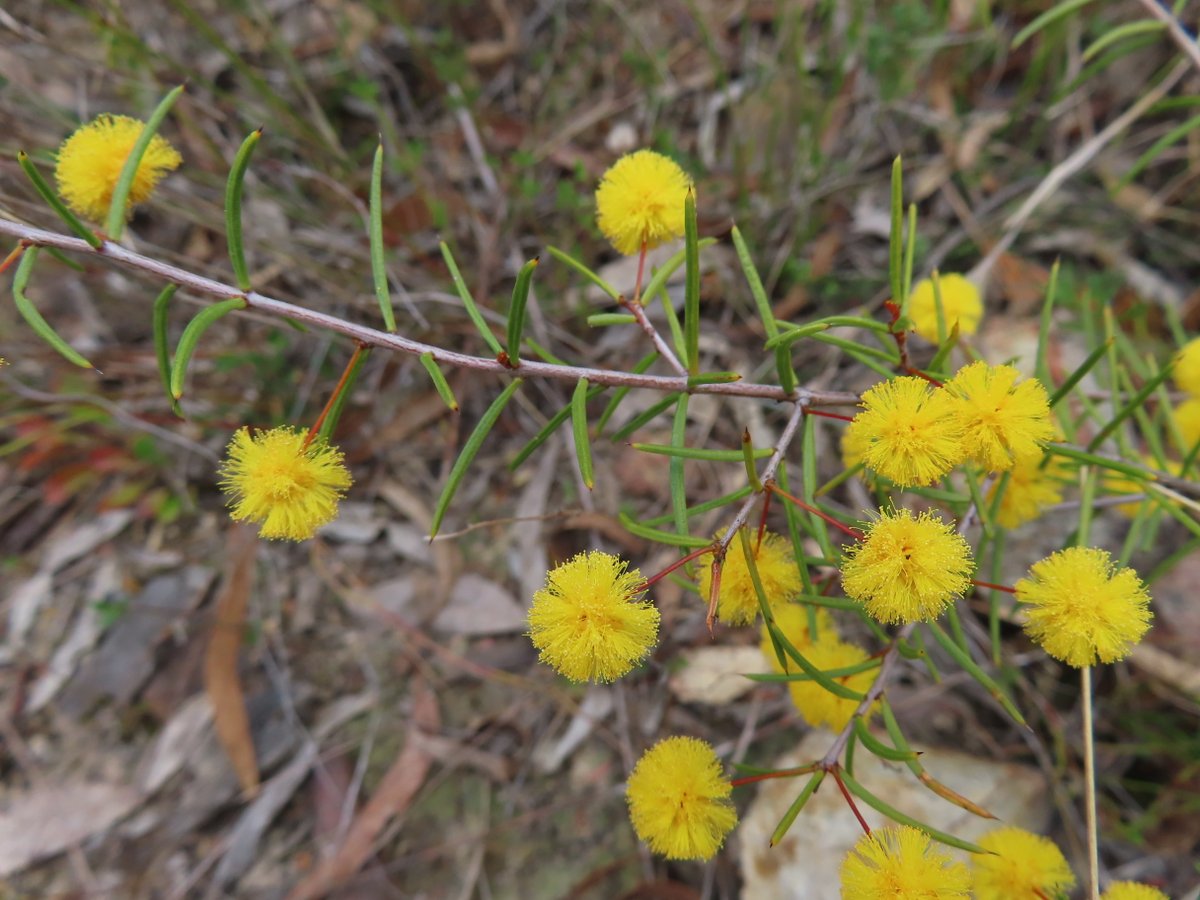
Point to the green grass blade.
(52, 199)
(1042, 369)
(1049, 17)
(378, 262)
(468, 301)
(1171, 137)
(469, 450)
(691, 290)
(191, 337)
(162, 350)
(29, 312)
(516, 310)
(579, 429)
(120, 198)
(1120, 33)
(233, 209)
(1134, 403)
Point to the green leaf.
(896, 237)
(47, 194)
(191, 337)
(675, 472)
(797, 805)
(1120, 33)
(120, 197)
(29, 312)
(1134, 402)
(162, 351)
(1042, 369)
(516, 310)
(439, 380)
(1050, 16)
(378, 262)
(548, 429)
(1075, 377)
(878, 747)
(691, 290)
(896, 816)
(622, 392)
(233, 209)
(1171, 137)
(587, 273)
(579, 429)
(468, 301)
(651, 412)
(465, 458)
(658, 536)
(658, 280)
(969, 665)
(707, 506)
(603, 320)
(683, 452)
(783, 362)
(819, 528)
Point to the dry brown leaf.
(395, 792)
(221, 681)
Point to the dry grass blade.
(221, 682)
(391, 798)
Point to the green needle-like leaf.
(797, 806)
(691, 290)
(191, 337)
(516, 310)
(162, 350)
(330, 422)
(675, 472)
(439, 380)
(972, 668)
(896, 816)
(115, 222)
(896, 237)
(579, 429)
(683, 452)
(468, 301)
(233, 209)
(47, 193)
(467, 456)
(29, 312)
(378, 262)
(658, 536)
(587, 273)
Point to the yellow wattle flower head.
(91, 159)
(1132, 890)
(1031, 487)
(1187, 368)
(907, 431)
(1024, 865)
(1118, 483)
(590, 621)
(1187, 417)
(793, 620)
(900, 862)
(815, 703)
(640, 201)
(1082, 609)
(961, 303)
(679, 801)
(907, 569)
(273, 478)
(1003, 422)
(737, 601)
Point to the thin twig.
(1089, 786)
(375, 338)
(1179, 35)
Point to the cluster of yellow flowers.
(1187, 379)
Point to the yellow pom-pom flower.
(1021, 864)
(1187, 417)
(640, 201)
(1187, 368)
(1031, 487)
(273, 478)
(590, 621)
(796, 621)
(1003, 422)
(91, 159)
(961, 303)
(907, 432)
(679, 801)
(737, 601)
(1082, 609)
(901, 863)
(818, 705)
(1132, 890)
(906, 568)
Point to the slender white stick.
(1089, 786)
